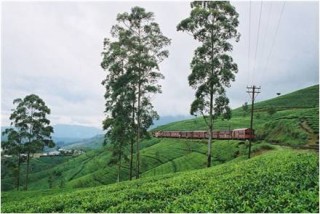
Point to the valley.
(176, 161)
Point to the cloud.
(53, 49)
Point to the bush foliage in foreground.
(278, 181)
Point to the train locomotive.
(236, 134)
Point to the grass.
(289, 184)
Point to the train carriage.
(199, 134)
(244, 133)
(157, 134)
(166, 134)
(189, 134)
(215, 135)
(225, 135)
(175, 134)
(241, 134)
(183, 134)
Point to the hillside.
(75, 131)
(278, 181)
(303, 98)
(295, 122)
(158, 157)
(162, 156)
(95, 142)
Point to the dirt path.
(313, 139)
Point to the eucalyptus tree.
(118, 134)
(142, 43)
(118, 100)
(213, 24)
(31, 130)
(12, 146)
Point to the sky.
(53, 49)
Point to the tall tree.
(213, 24)
(118, 133)
(12, 146)
(118, 96)
(142, 42)
(31, 130)
(147, 44)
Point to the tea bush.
(277, 181)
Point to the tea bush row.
(278, 181)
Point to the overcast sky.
(53, 49)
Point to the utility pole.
(252, 91)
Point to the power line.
(257, 43)
(274, 38)
(264, 53)
(249, 40)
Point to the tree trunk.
(210, 130)
(138, 131)
(140, 73)
(27, 175)
(132, 141)
(211, 107)
(209, 150)
(131, 159)
(18, 177)
(119, 168)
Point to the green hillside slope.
(296, 121)
(86, 144)
(278, 181)
(304, 98)
(292, 126)
(158, 157)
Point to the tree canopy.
(131, 60)
(30, 131)
(213, 24)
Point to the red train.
(243, 133)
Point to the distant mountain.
(65, 134)
(75, 131)
(90, 143)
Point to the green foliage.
(311, 116)
(56, 178)
(132, 65)
(212, 23)
(289, 183)
(271, 110)
(31, 131)
(304, 98)
(158, 156)
(245, 108)
(283, 131)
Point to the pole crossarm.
(252, 91)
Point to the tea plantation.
(174, 177)
(283, 127)
(283, 180)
